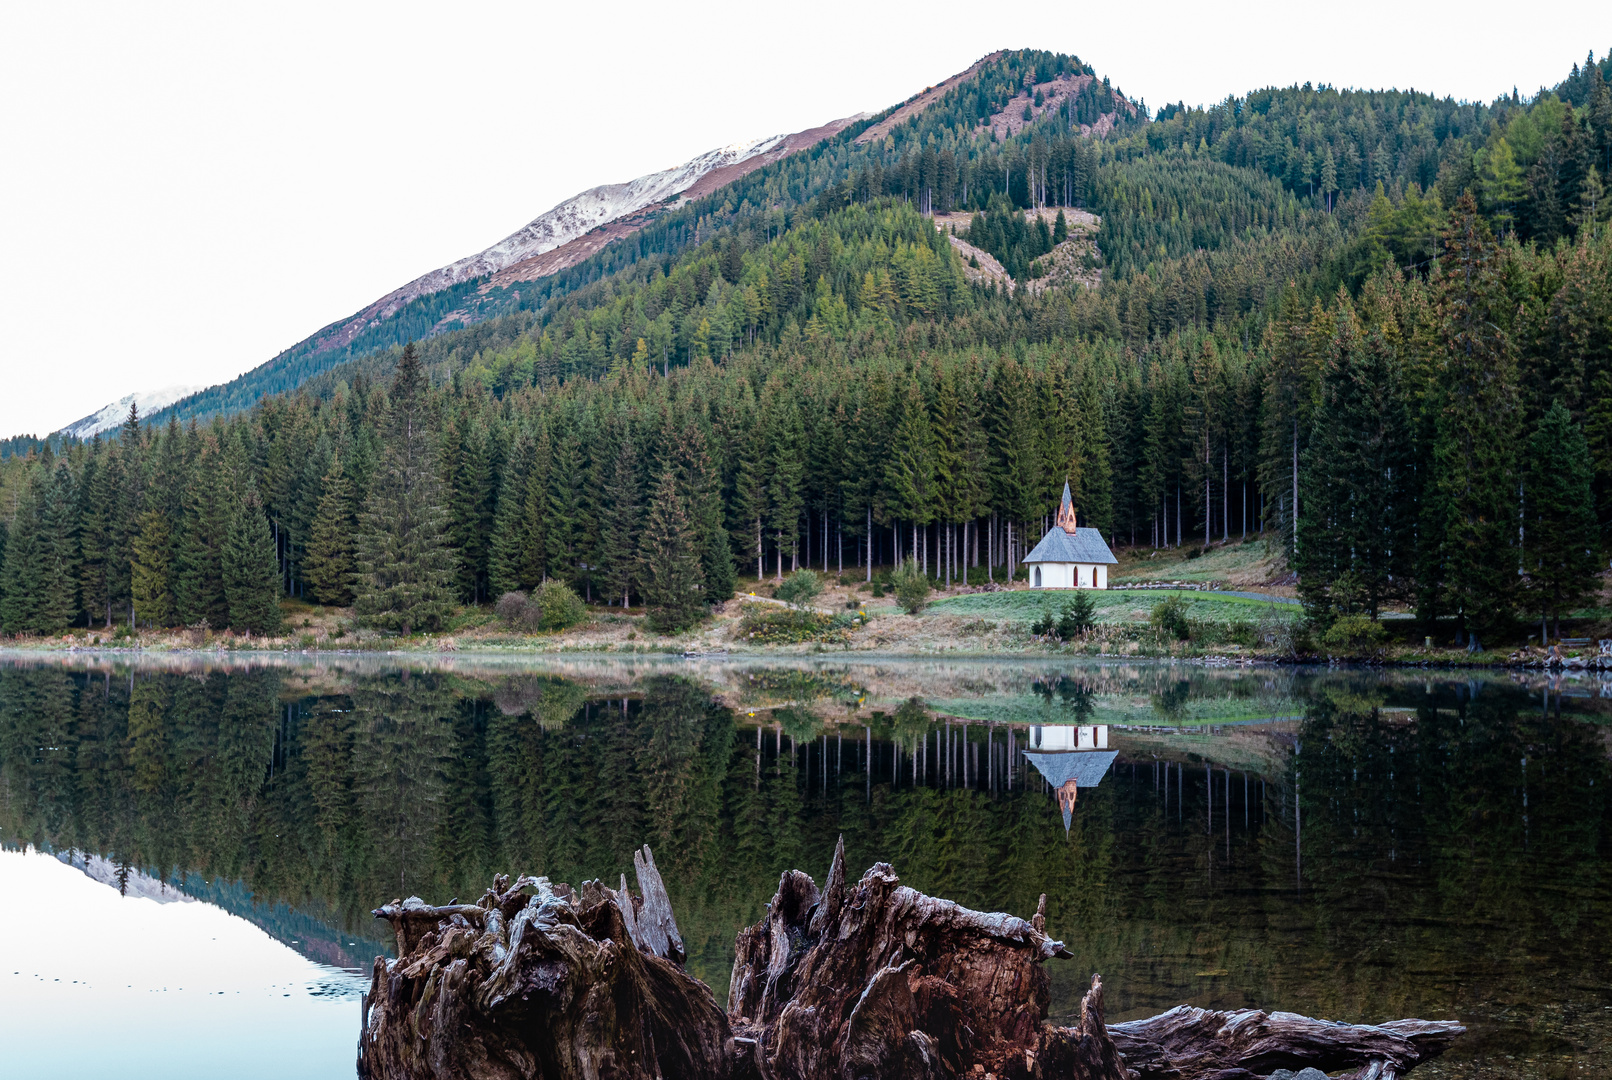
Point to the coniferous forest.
(1376, 324)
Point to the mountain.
(110, 416)
(556, 240)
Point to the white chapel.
(1069, 557)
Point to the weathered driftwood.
(1189, 1042)
(853, 981)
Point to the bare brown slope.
(569, 254)
(924, 100)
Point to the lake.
(190, 845)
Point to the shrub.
(1078, 616)
(510, 608)
(1242, 632)
(912, 588)
(1354, 634)
(554, 606)
(800, 589)
(1170, 617)
(558, 606)
(772, 626)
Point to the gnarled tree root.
(871, 980)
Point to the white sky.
(187, 189)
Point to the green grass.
(1113, 605)
(1171, 564)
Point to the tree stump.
(871, 981)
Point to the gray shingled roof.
(1085, 546)
(1085, 767)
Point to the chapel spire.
(1066, 512)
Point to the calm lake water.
(189, 848)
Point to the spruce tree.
(328, 566)
(251, 570)
(59, 535)
(152, 570)
(504, 557)
(20, 578)
(1467, 566)
(198, 577)
(670, 573)
(470, 512)
(701, 489)
(623, 517)
(1560, 536)
(1357, 515)
(405, 566)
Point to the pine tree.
(405, 567)
(251, 570)
(670, 569)
(910, 472)
(1560, 536)
(622, 519)
(1357, 513)
(328, 565)
(152, 570)
(1467, 566)
(504, 562)
(21, 579)
(198, 581)
(562, 522)
(470, 513)
(700, 486)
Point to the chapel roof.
(1085, 767)
(1081, 546)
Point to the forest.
(1377, 324)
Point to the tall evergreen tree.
(471, 508)
(153, 570)
(1357, 517)
(1467, 566)
(329, 562)
(699, 484)
(251, 570)
(1560, 538)
(670, 564)
(623, 517)
(405, 566)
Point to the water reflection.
(1357, 845)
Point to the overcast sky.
(187, 189)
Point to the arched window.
(1038, 577)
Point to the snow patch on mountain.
(110, 416)
(583, 213)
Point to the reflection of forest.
(1406, 849)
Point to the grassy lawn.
(1241, 565)
(1113, 605)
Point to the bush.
(1078, 616)
(1242, 632)
(772, 626)
(800, 589)
(510, 608)
(912, 588)
(1170, 618)
(554, 606)
(1354, 634)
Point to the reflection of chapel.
(1069, 557)
(1067, 769)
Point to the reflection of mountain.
(125, 879)
(1067, 771)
